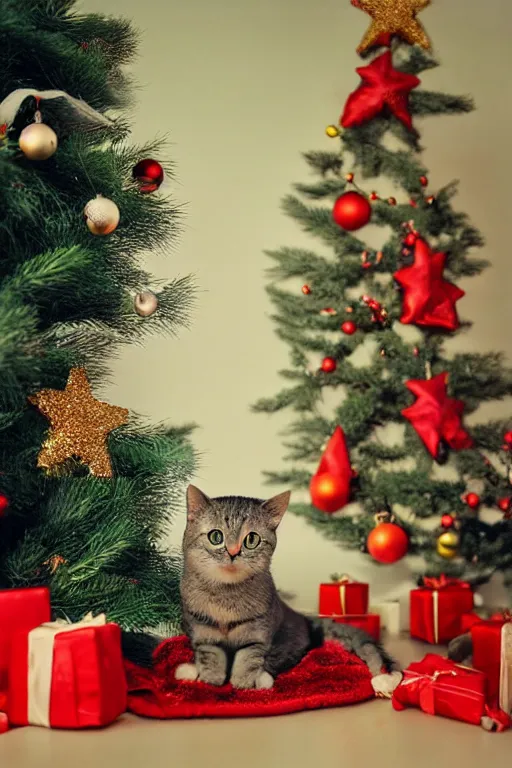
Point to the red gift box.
(20, 609)
(370, 622)
(437, 608)
(440, 687)
(492, 654)
(67, 675)
(342, 597)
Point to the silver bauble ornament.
(102, 215)
(38, 141)
(145, 303)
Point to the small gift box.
(437, 607)
(389, 613)
(67, 675)
(492, 654)
(369, 622)
(440, 687)
(468, 620)
(343, 596)
(20, 609)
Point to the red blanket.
(326, 677)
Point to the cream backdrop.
(242, 88)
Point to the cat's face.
(231, 538)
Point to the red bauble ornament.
(328, 365)
(436, 417)
(507, 437)
(351, 211)
(410, 239)
(330, 485)
(472, 500)
(306, 290)
(447, 521)
(505, 504)
(423, 181)
(149, 174)
(349, 327)
(381, 87)
(387, 543)
(429, 299)
(4, 504)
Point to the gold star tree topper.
(79, 425)
(393, 17)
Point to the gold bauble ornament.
(145, 303)
(79, 425)
(38, 141)
(102, 215)
(447, 544)
(332, 131)
(393, 17)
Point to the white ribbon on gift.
(41, 642)
(506, 668)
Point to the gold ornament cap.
(332, 131)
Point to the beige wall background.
(242, 88)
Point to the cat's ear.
(196, 502)
(276, 507)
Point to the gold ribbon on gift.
(40, 663)
(342, 581)
(506, 668)
(435, 608)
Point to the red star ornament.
(428, 298)
(381, 86)
(435, 416)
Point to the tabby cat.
(240, 629)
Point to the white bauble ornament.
(38, 141)
(102, 215)
(145, 303)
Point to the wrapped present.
(437, 607)
(492, 654)
(468, 620)
(67, 675)
(440, 687)
(20, 609)
(343, 595)
(389, 612)
(369, 622)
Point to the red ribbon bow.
(432, 582)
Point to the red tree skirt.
(326, 677)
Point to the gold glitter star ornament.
(393, 17)
(79, 425)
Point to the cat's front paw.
(384, 685)
(253, 679)
(186, 672)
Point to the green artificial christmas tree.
(87, 489)
(378, 401)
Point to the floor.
(368, 734)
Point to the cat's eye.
(216, 537)
(252, 540)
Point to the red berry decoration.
(423, 181)
(4, 504)
(392, 200)
(374, 196)
(349, 327)
(328, 365)
(472, 500)
(387, 543)
(149, 174)
(507, 437)
(306, 290)
(410, 239)
(349, 177)
(447, 521)
(351, 211)
(505, 503)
